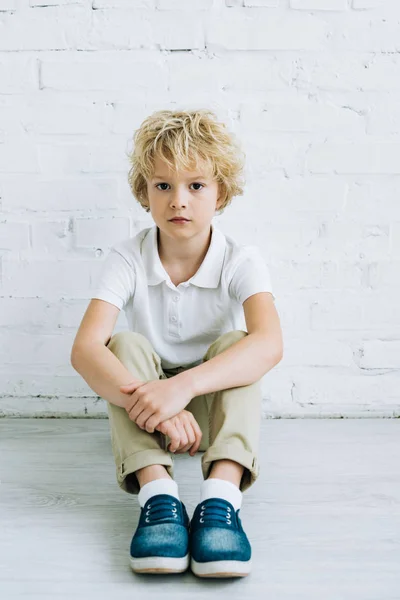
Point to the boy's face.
(189, 194)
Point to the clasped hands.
(160, 404)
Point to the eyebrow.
(193, 177)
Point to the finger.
(138, 406)
(143, 416)
(152, 423)
(164, 426)
(131, 385)
(130, 404)
(182, 435)
(174, 437)
(199, 435)
(131, 388)
(190, 436)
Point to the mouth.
(179, 220)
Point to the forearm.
(241, 364)
(102, 371)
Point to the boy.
(187, 367)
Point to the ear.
(220, 202)
(221, 197)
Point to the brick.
(365, 32)
(384, 116)
(395, 240)
(51, 237)
(51, 278)
(316, 353)
(358, 71)
(335, 393)
(385, 275)
(18, 73)
(46, 3)
(55, 117)
(362, 4)
(14, 236)
(184, 5)
(8, 5)
(178, 30)
(105, 71)
(128, 116)
(53, 28)
(297, 322)
(297, 197)
(91, 156)
(379, 354)
(100, 232)
(257, 30)
(60, 194)
(35, 349)
(354, 158)
(100, 4)
(122, 29)
(261, 3)
(373, 202)
(301, 115)
(335, 5)
(18, 156)
(355, 310)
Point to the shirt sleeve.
(116, 283)
(251, 276)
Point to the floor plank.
(323, 519)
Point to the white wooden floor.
(323, 519)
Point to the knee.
(226, 340)
(127, 338)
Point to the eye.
(195, 183)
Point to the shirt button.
(176, 298)
(173, 318)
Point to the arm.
(247, 360)
(91, 358)
(102, 371)
(241, 364)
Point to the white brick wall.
(311, 88)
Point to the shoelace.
(213, 511)
(161, 509)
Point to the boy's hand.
(152, 402)
(184, 432)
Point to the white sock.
(219, 488)
(157, 486)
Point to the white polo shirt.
(181, 322)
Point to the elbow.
(72, 361)
(278, 355)
(273, 358)
(274, 352)
(73, 358)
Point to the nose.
(178, 198)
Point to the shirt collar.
(209, 273)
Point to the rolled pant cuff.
(239, 455)
(137, 461)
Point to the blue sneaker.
(217, 543)
(161, 541)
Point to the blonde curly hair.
(185, 139)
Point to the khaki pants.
(229, 419)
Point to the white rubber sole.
(221, 568)
(160, 564)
